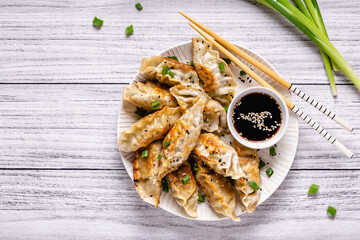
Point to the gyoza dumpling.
(162, 68)
(249, 162)
(150, 128)
(185, 193)
(146, 171)
(214, 113)
(218, 155)
(220, 84)
(143, 95)
(217, 189)
(182, 138)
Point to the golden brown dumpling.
(217, 189)
(143, 95)
(146, 173)
(186, 194)
(249, 162)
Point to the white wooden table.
(61, 79)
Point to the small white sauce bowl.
(278, 135)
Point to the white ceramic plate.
(281, 163)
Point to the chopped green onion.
(313, 189)
(201, 198)
(166, 143)
(242, 73)
(145, 154)
(221, 66)
(228, 61)
(129, 30)
(171, 74)
(261, 164)
(155, 104)
(165, 70)
(331, 210)
(269, 172)
(97, 22)
(141, 112)
(196, 167)
(165, 186)
(138, 6)
(254, 186)
(272, 151)
(226, 108)
(159, 156)
(174, 57)
(192, 63)
(185, 180)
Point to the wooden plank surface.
(61, 80)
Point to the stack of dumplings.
(177, 143)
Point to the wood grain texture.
(61, 80)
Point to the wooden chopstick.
(289, 104)
(271, 74)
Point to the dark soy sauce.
(257, 117)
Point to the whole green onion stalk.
(311, 30)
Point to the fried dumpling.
(218, 155)
(217, 189)
(169, 71)
(143, 95)
(214, 112)
(185, 191)
(219, 84)
(182, 138)
(249, 162)
(148, 129)
(146, 171)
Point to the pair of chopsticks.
(216, 40)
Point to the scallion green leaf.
(269, 172)
(185, 180)
(165, 186)
(129, 30)
(138, 6)
(165, 70)
(201, 198)
(221, 66)
(228, 61)
(254, 185)
(171, 74)
(272, 151)
(242, 73)
(331, 210)
(313, 189)
(159, 156)
(261, 164)
(174, 57)
(226, 108)
(166, 143)
(97, 22)
(192, 63)
(145, 154)
(155, 104)
(196, 167)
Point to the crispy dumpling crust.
(148, 129)
(146, 174)
(182, 138)
(219, 156)
(217, 189)
(186, 195)
(219, 84)
(183, 73)
(249, 162)
(214, 112)
(143, 94)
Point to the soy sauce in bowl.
(257, 117)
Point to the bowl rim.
(280, 133)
